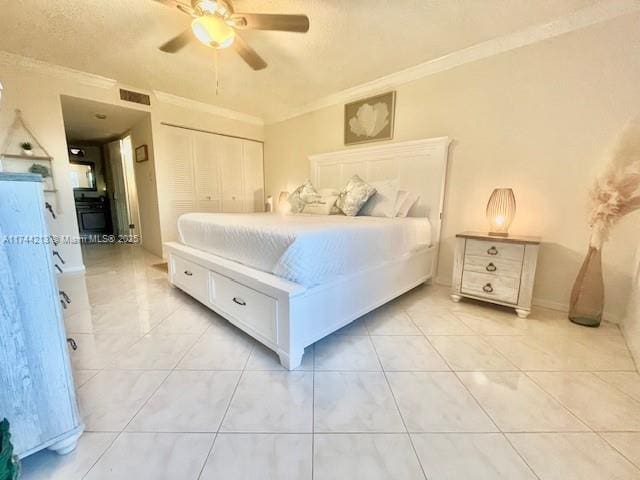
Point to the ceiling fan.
(215, 23)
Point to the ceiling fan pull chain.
(215, 67)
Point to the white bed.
(306, 249)
(288, 281)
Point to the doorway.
(106, 177)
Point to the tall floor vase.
(587, 296)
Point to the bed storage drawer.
(250, 307)
(485, 285)
(192, 278)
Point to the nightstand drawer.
(496, 266)
(489, 249)
(492, 287)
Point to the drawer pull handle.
(188, 273)
(488, 288)
(491, 267)
(492, 251)
(239, 301)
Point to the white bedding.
(306, 249)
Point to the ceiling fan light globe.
(208, 6)
(213, 31)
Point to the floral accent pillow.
(354, 195)
(302, 195)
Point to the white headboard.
(419, 166)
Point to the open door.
(124, 195)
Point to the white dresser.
(495, 269)
(37, 393)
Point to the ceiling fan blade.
(183, 7)
(177, 43)
(265, 21)
(248, 54)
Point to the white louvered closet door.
(182, 199)
(207, 172)
(252, 166)
(230, 157)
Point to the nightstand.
(495, 269)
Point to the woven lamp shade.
(501, 210)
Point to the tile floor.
(421, 388)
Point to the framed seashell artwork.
(369, 120)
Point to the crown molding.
(207, 108)
(57, 71)
(577, 20)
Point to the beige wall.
(37, 94)
(536, 119)
(632, 318)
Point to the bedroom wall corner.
(631, 324)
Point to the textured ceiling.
(350, 42)
(81, 124)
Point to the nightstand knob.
(488, 288)
(492, 251)
(491, 267)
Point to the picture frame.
(370, 119)
(142, 154)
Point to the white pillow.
(385, 201)
(406, 200)
(321, 205)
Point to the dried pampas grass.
(616, 192)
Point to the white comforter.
(306, 249)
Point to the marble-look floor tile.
(357, 327)
(627, 443)
(269, 456)
(562, 353)
(494, 323)
(477, 456)
(271, 402)
(598, 404)
(408, 353)
(354, 402)
(155, 352)
(216, 351)
(262, 358)
(97, 351)
(47, 465)
(187, 319)
(572, 456)
(517, 404)
(366, 457)
(438, 321)
(390, 320)
(470, 353)
(157, 456)
(110, 399)
(187, 401)
(628, 382)
(346, 352)
(81, 377)
(437, 402)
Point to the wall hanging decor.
(369, 120)
(615, 194)
(22, 153)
